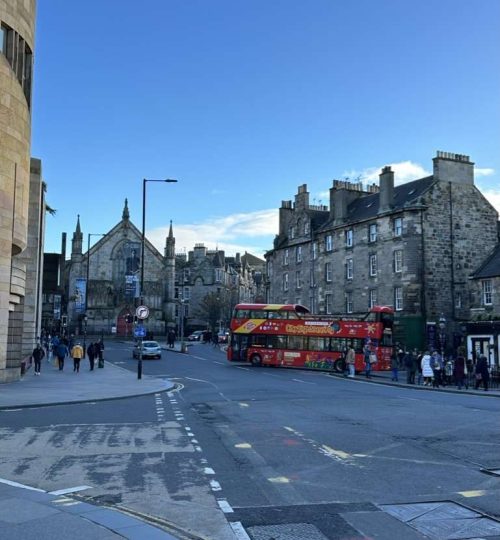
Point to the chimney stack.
(449, 167)
(386, 182)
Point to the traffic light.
(129, 319)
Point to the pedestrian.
(459, 371)
(91, 355)
(61, 353)
(350, 358)
(482, 373)
(438, 368)
(77, 355)
(171, 338)
(394, 367)
(37, 355)
(427, 371)
(367, 359)
(215, 339)
(401, 356)
(448, 372)
(410, 363)
(99, 352)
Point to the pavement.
(30, 513)
(385, 377)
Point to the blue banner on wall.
(79, 294)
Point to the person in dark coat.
(99, 352)
(482, 373)
(410, 363)
(37, 355)
(171, 339)
(91, 355)
(459, 373)
(61, 353)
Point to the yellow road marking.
(279, 480)
(473, 493)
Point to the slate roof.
(366, 207)
(491, 266)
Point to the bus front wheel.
(256, 360)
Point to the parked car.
(150, 349)
(223, 337)
(197, 335)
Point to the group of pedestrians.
(427, 369)
(57, 349)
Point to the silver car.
(150, 349)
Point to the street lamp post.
(85, 318)
(442, 334)
(143, 241)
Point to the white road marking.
(194, 441)
(17, 484)
(225, 506)
(198, 448)
(238, 530)
(305, 382)
(70, 490)
(244, 368)
(208, 470)
(221, 363)
(215, 486)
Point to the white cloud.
(478, 172)
(236, 233)
(404, 171)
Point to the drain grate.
(288, 531)
(444, 520)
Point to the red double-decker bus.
(288, 335)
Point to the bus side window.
(241, 314)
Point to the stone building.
(102, 285)
(483, 331)
(411, 246)
(17, 27)
(230, 279)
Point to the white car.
(150, 349)
(197, 335)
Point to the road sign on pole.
(139, 331)
(142, 312)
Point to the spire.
(170, 243)
(126, 213)
(77, 241)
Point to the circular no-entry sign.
(142, 312)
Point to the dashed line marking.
(69, 490)
(215, 486)
(208, 470)
(239, 531)
(225, 506)
(198, 448)
(243, 445)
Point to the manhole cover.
(288, 531)
(444, 521)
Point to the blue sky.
(244, 101)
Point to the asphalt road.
(264, 447)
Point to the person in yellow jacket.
(77, 355)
